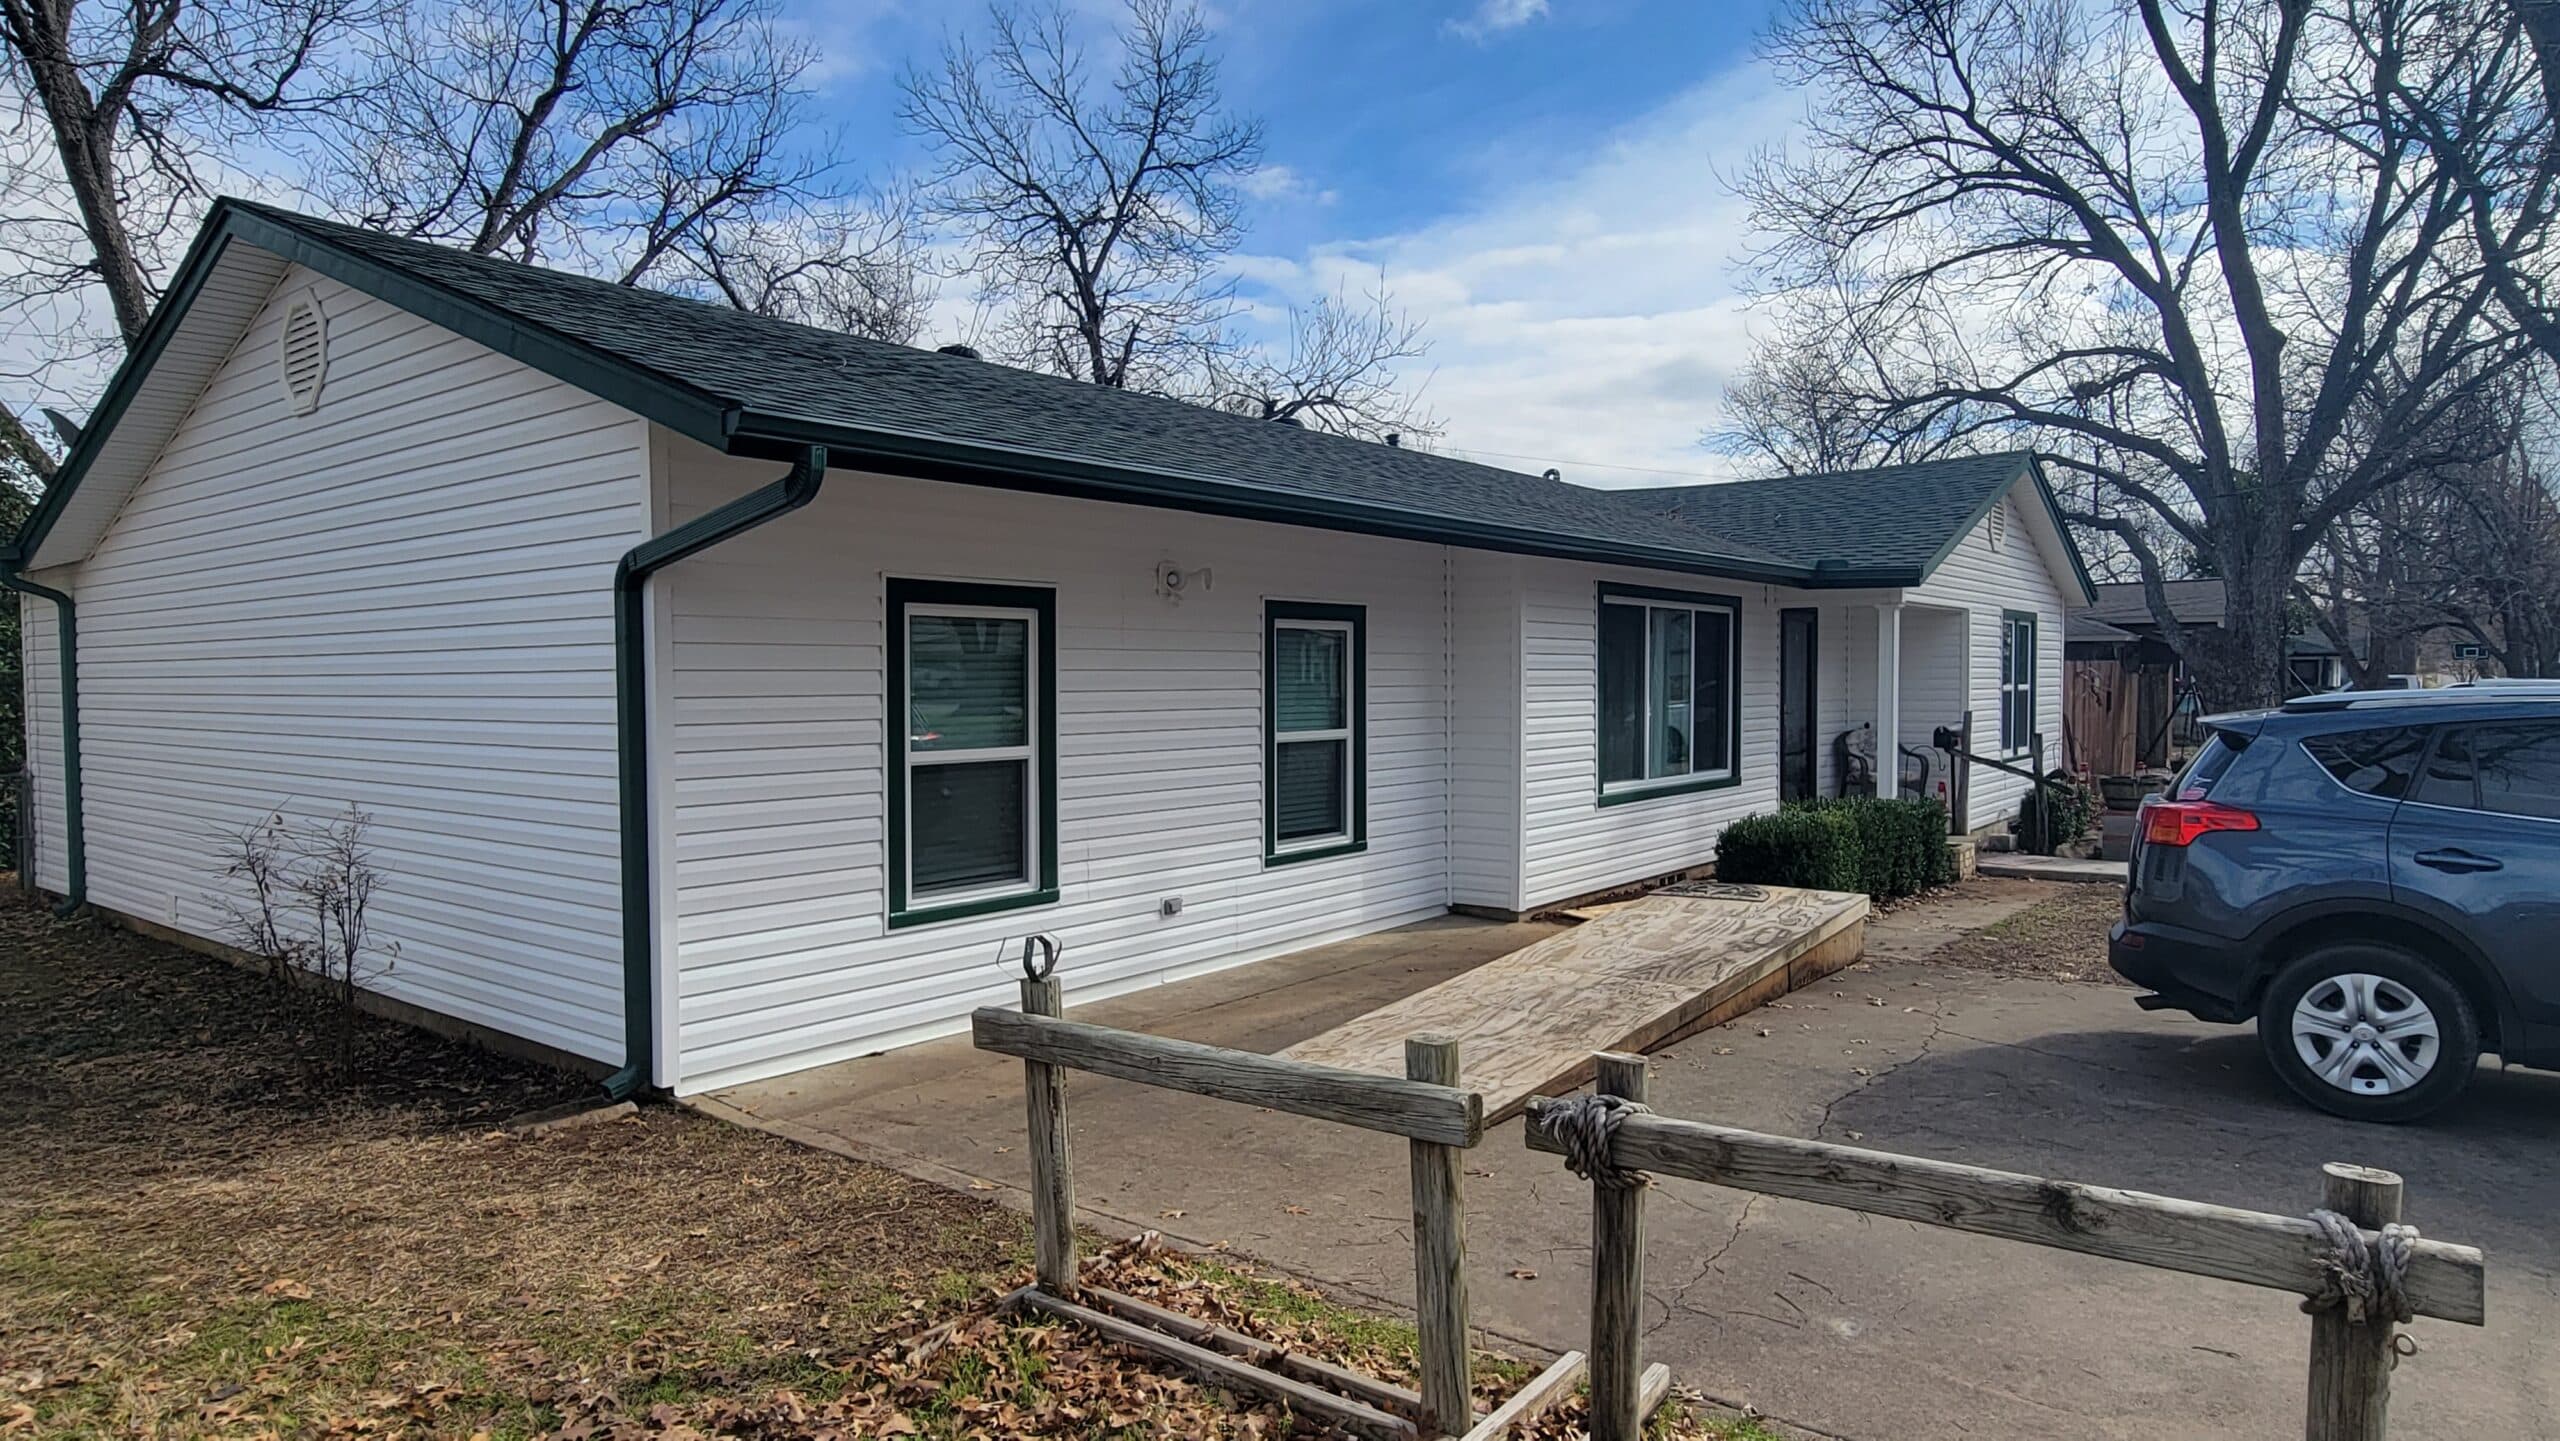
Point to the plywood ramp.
(1637, 976)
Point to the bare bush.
(307, 908)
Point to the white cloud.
(1492, 17)
(1280, 182)
(1586, 318)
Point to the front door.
(1796, 641)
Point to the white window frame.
(911, 760)
(1343, 733)
(1732, 613)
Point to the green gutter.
(631, 738)
(75, 846)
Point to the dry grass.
(2063, 938)
(203, 1233)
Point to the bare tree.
(2486, 101)
(859, 266)
(1342, 370)
(653, 141)
(130, 98)
(2179, 249)
(1100, 207)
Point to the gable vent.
(302, 354)
(1998, 527)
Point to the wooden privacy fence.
(1438, 1119)
(2352, 1345)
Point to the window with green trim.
(1315, 724)
(2017, 680)
(973, 769)
(1670, 677)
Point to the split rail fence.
(1427, 1106)
(2353, 1348)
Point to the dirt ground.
(207, 1230)
(2060, 939)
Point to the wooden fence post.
(1617, 1281)
(2351, 1362)
(1053, 1185)
(1439, 1255)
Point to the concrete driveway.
(1837, 1323)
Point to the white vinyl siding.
(1484, 729)
(41, 672)
(779, 820)
(2023, 574)
(1571, 843)
(401, 600)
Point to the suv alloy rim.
(2365, 1034)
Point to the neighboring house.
(2126, 682)
(727, 694)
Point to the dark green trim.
(1043, 601)
(75, 827)
(1634, 791)
(1357, 689)
(2020, 745)
(2032, 469)
(924, 457)
(631, 739)
(671, 403)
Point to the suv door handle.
(2457, 861)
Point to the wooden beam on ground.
(1415, 1110)
(1368, 1390)
(1653, 1390)
(1542, 1393)
(1219, 1370)
(2252, 1247)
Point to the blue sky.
(1539, 180)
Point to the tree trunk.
(2240, 666)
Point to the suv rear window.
(2220, 750)
(2374, 762)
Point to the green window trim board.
(1354, 621)
(1627, 793)
(904, 909)
(2014, 742)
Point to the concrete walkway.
(2018, 866)
(1861, 1328)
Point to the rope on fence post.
(2352, 1321)
(1617, 1252)
(1584, 1126)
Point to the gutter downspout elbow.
(631, 739)
(75, 847)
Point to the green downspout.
(75, 847)
(631, 738)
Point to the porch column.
(1889, 699)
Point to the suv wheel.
(2369, 1032)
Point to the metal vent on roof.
(302, 353)
(1998, 527)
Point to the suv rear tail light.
(2175, 823)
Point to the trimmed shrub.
(1901, 845)
(2056, 814)
(1816, 849)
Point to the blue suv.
(2375, 878)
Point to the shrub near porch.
(1885, 848)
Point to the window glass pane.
(1670, 659)
(968, 682)
(1311, 794)
(965, 826)
(2446, 778)
(1710, 719)
(2519, 767)
(1621, 692)
(2376, 762)
(1311, 667)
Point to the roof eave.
(932, 457)
(677, 406)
